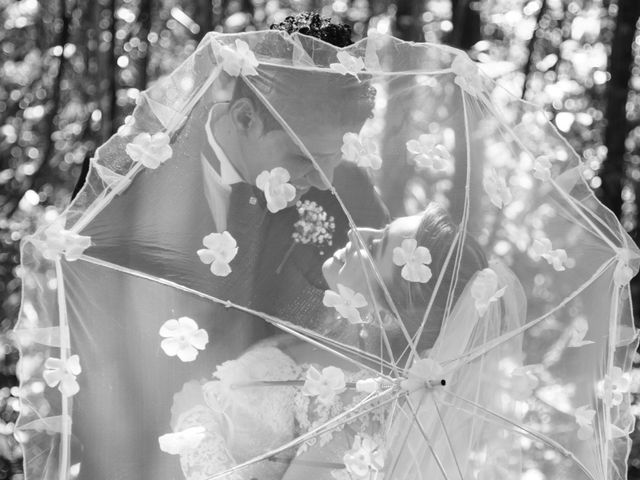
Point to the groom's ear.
(246, 118)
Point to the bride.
(281, 388)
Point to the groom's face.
(264, 149)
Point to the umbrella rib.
(403, 445)
(539, 436)
(268, 318)
(423, 432)
(446, 434)
(436, 288)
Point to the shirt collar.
(228, 173)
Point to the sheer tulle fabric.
(177, 321)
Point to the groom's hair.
(313, 25)
(322, 96)
(436, 232)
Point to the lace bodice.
(244, 419)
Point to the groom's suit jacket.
(154, 228)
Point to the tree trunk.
(204, 17)
(532, 47)
(109, 126)
(466, 24)
(620, 64)
(145, 19)
(466, 33)
(56, 97)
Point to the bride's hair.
(436, 232)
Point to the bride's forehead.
(404, 227)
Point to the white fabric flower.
(365, 459)
(542, 248)
(542, 168)
(346, 302)
(179, 443)
(577, 332)
(468, 76)
(183, 338)
(623, 272)
(413, 260)
(325, 385)
(497, 189)
(276, 187)
(348, 64)
(63, 374)
(584, 418)
(150, 150)
(361, 150)
(424, 372)
(614, 385)
(485, 291)
(240, 61)
(221, 249)
(59, 241)
(428, 153)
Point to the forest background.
(71, 70)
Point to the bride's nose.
(366, 234)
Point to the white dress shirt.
(217, 185)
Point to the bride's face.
(347, 266)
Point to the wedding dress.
(484, 331)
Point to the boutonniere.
(313, 227)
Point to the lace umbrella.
(300, 261)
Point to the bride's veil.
(447, 432)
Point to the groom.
(243, 139)
(158, 224)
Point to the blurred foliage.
(71, 72)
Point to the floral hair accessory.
(413, 260)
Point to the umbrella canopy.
(302, 261)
